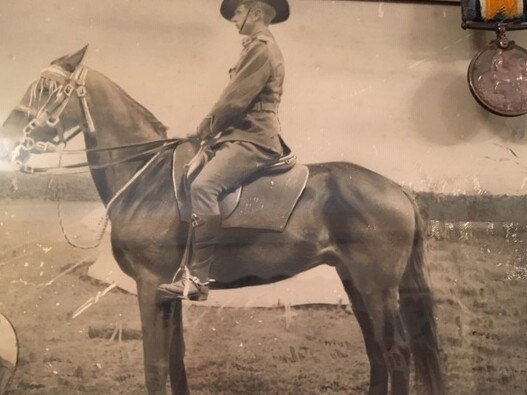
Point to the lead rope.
(102, 223)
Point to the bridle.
(49, 115)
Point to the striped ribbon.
(495, 10)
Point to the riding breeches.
(233, 163)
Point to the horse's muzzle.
(4, 151)
(7, 148)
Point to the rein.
(83, 167)
(49, 116)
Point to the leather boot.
(193, 283)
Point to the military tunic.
(247, 109)
(242, 127)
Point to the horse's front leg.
(162, 332)
(178, 375)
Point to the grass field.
(478, 278)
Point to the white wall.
(382, 85)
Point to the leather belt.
(261, 106)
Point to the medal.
(497, 75)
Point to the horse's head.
(46, 112)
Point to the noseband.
(49, 115)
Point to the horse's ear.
(70, 62)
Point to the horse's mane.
(158, 126)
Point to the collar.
(264, 35)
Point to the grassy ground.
(478, 282)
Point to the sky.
(378, 84)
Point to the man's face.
(242, 19)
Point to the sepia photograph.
(263, 197)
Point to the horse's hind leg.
(401, 361)
(382, 306)
(377, 314)
(397, 352)
(378, 369)
(160, 333)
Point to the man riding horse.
(241, 133)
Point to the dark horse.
(355, 220)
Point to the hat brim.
(281, 7)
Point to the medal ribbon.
(501, 9)
(493, 11)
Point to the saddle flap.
(266, 202)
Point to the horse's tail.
(417, 312)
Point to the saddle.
(265, 201)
